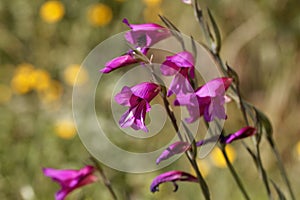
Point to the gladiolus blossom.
(182, 66)
(70, 179)
(137, 98)
(208, 100)
(171, 176)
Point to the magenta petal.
(182, 59)
(240, 134)
(127, 119)
(118, 62)
(215, 109)
(60, 176)
(123, 97)
(175, 148)
(171, 176)
(169, 68)
(137, 98)
(70, 179)
(215, 87)
(61, 194)
(180, 86)
(146, 90)
(145, 35)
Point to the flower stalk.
(105, 180)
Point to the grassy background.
(42, 48)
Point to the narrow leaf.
(279, 192)
(217, 35)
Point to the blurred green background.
(43, 43)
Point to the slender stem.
(203, 184)
(104, 178)
(234, 174)
(230, 166)
(171, 116)
(283, 171)
(263, 172)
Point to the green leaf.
(217, 35)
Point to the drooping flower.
(240, 134)
(121, 61)
(182, 66)
(137, 98)
(208, 100)
(171, 176)
(175, 148)
(145, 35)
(70, 179)
(244, 132)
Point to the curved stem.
(234, 174)
(104, 178)
(263, 172)
(283, 172)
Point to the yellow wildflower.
(99, 14)
(152, 3)
(21, 82)
(65, 129)
(72, 75)
(52, 11)
(218, 158)
(40, 79)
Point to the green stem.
(104, 178)
(263, 172)
(203, 184)
(283, 171)
(231, 168)
(234, 174)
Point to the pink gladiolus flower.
(240, 134)
(137, 98)
(145, 35)
(175, 148)
(244, 132)
(122, 61)
(182, 66)
(208, 100)
(70, 179)
(171, 176)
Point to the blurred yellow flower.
(65, 129)
(72, 75)
(52, 11)
(52, 93)
(152, 2)
(99, 14)
(5, 94)
(218, 158)
(203, 167)
(21, 82)
(40, 79)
